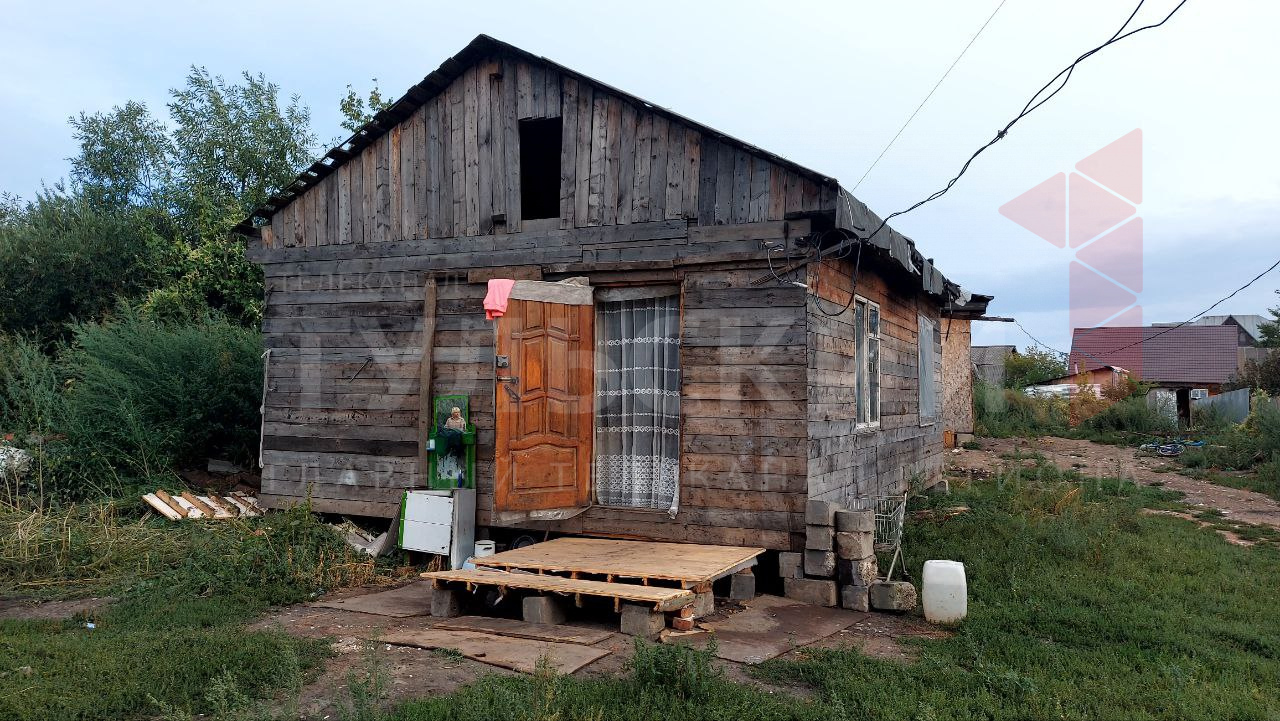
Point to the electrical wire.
(926, 98)
(1034, 104)
(1170, 329)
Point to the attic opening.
(540, 168)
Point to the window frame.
(863, 335)
(934, 329)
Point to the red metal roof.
(1187, 355)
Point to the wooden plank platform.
(689, 563)
(663, 599)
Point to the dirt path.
(1098, 460)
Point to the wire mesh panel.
(890, 511)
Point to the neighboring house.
(1095, 379)
(675, 361)
(1181, 363)
(1248, 326)
(988, 362)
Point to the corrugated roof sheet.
(1188, 355)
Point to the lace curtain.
(637, 434)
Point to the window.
(866, 332)
(926, 365)
(540, 168)
(637, 413)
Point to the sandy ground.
(1098, 460)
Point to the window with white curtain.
(866, 335)
(637, 409)
(926, 365)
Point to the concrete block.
(820, 513)
(893, 596)
(817, 538)
(543, 609)
(819, 563)
(855, 598)
(742, 586)
(446, 602)
(855, 521)
(704, 604)
(853, 546)
(860, 572)
(814, 591)
(642, 621)
(790, 565)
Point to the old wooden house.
(729, 344)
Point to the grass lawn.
(175, 643)
(1081, 606)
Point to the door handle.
(506, 382)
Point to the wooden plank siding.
(844, 460)
(451, 168)
(644, 198)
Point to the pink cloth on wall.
(495, 301)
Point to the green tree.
(1032, 366)
(62, 258)
(357, 111)
(1271, 329)
(226, 147)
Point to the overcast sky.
(826, 85)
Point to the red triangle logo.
(1093, 210)
(1042, 210)
(1118, 166)
(1094, 299)
(1118, 254)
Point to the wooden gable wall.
(452, 169)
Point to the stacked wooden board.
(188, 505)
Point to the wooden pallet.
(692, 565)
(662, 599)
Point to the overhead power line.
(1170, 329)
(926, 98)
(1035, 103)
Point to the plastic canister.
(484, 548)
(944, 592)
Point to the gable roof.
(1248, 322)
(851, 215)
(1187, 355)
(439, 80)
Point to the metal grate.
(890, 512)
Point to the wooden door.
(544, 406)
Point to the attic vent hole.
(540, 168)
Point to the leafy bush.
(146, 397)
(30, 397)
(1001, 412)
(129, 400)
(1131, 415)
(61, 260)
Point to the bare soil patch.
(1104, 461)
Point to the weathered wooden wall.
(344, 325)
(845, 461)
(453, 166)
(957, 376)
